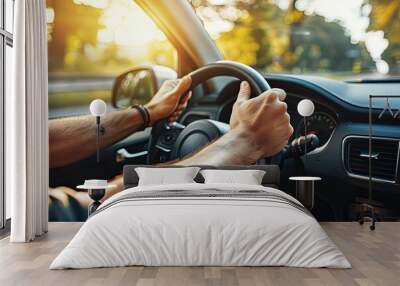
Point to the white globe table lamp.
(306, 107)
(305, 184)
(98, 108)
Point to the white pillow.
(166, 176)
(247, 177)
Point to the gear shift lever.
(300, 146)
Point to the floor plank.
(375, 257)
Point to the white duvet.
(203, 231)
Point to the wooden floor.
(375, 257)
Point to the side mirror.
(138, 85)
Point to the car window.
(342, 39)
(90, 42)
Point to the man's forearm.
(73, 139)
(234, 148)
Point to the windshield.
(341, 39)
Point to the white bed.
(269, 228)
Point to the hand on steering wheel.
(243, 98)
(263, 118)
(258, 115)
(170, 100)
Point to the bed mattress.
(201, 225)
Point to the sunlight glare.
(376, 44)
(126, 24)
(49, 15)
(382, 67)
(101, 4)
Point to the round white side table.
(305, 190)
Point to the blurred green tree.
(385, 16)
(73, 30)
(273, 39)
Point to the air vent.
(384, 157)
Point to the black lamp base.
(96, 195)
(367, 213)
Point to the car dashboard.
(341, 122)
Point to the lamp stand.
(305, 137)
(99, 131)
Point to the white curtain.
(26, 124)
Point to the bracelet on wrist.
(148, 115)
(144, 113)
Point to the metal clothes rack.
(368, 213)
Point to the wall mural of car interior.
(121, 97)
(200, 142)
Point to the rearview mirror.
(138, 85)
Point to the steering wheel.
(173, 141)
